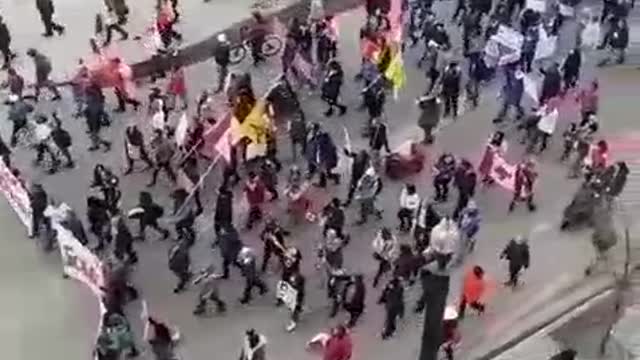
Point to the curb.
(203, 50)
(549, 319)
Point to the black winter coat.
(5, 36)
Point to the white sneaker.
(292, 326)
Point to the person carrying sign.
(297, 283)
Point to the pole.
(437, 290)
(627, 255)
(199, 183)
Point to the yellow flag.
(395, 72)
(255, 126)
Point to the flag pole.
(200, 182)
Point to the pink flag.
(395, 21)
(334, 28)
(503, 173)
(213, 135)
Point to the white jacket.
(547, 123)
(410, 202)
(388, 250)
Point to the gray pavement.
(557, 258)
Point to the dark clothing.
(378, 138)
(393, 299)
(353, 295)
(517, 253)
(222, 54)
(551, 84)
(223, 215)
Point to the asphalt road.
(557, 258)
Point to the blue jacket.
(322, 151)
(513, 89)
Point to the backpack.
(62, 138)
(157, 211)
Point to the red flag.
(216, 139)
(369, 49)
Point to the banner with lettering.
(503, 173)
(78, 262)
(16, 194)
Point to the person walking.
(47, 11)
(331, 86)
(151, 212)
(254, 346)
(393, 299)
(230, 244)
(249, 266)
(517, 254)
(164, 150)
(43, 69)
(385, 251)
(473, 290)
(179, 263)
(94, 115)
(339, 345)
(367, 191)
(209, 291)
(360, 164)
(5, 44)
(353, 296)
(429, 116)
(451, 82)
(222, 55)
(134, 148)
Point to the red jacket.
(177, 84)
(256, 194)
(338, 348)
(474, 287)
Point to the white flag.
(181, 129)
(531, 87)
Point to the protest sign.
(509, 38)
(16, 194)
(503, 173)
(287, 294)
(546, 45)
(79, 262)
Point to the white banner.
(537, 5)
(287, 294)
(16, 195)
(531, 87)
(566, 10)
(509, 38)
(79, 262)
(182, 129)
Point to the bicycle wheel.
(237, 54)
(272, 45)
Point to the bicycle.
(271, 46)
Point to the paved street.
(557, 258)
